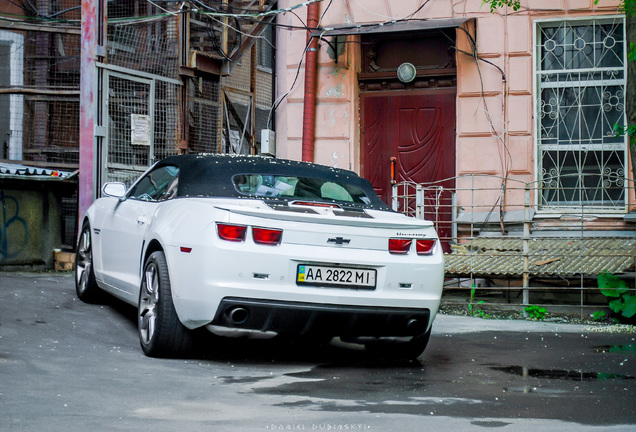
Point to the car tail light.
(231, 232)
(399, 245)
(267, 236)
(425, 247)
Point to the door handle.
(393, 170)
(141, 220)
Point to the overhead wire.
(218, 11)
(323, 30)
(244, 33)
(369, 10)
(506, 156)
(32, 11)
(280, 99)
(169, 12)
(258, 14)
(418, 9)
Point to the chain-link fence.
(143, 36)
(39, 90)
(39, 83)
(203, 115)
(154, 98)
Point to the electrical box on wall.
(268, 142)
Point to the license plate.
(344, 277)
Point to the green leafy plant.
(612, 286)
(496, 4)
(536, 312)
(599, 315)
(624, 130)
(627, 349)
(476, 310)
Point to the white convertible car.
(248, 245)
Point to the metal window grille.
(150, 47)
(167, 126)
(581, 96)
(203, 115)
(266, 49)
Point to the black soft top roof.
(211, 175)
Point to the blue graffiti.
(13, 248)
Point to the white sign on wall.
(140, 129)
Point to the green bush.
(612, 286)
(536, 312)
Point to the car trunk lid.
(331, 226)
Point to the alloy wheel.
(148, 303)
(84, 261)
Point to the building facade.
(106, 88)
(482, 105)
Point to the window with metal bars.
(580, 76)
(266, 49)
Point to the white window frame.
(16, 101)
(547, 208)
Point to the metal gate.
(140, 115)
(127, 104)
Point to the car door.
(124, 232)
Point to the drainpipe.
(311, 77)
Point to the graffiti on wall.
(13, 228)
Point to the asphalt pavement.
(70, 366)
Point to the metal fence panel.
(501, 244)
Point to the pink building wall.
(495, 142)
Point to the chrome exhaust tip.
(415, 326)
(238, 315)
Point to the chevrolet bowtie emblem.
(339, 240)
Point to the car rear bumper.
(297, 318)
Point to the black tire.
(161, 333)
(390, 349)
(85, 284)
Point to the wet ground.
(69, 366)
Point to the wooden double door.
(417, 129)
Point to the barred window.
(266, 49)
(580, 98)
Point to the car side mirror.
(114, 189)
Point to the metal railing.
(506, 247)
